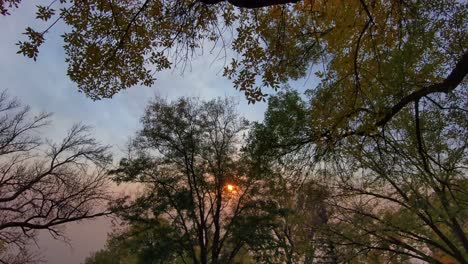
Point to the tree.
(44, 185)
(298, 238)
(417, 189)
(140, 243)
(195, 179)
(123, 248)
(394, 195)
(380, 55)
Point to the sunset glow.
(230, 187)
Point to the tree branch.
(448, 85)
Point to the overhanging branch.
(448, 85)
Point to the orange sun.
(230, 187)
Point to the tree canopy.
(398, 192)
(382, 55)
(201, 198)
(370, 163)
(390, 196)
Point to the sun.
(230, 187)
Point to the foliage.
(185, 156)
(139, 244)
(6, 4)
(375, 53)
(393, 194)
(377, 148)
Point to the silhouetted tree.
(44, 185)
(394, 194)
(187, 157)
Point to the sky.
(44, 86)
